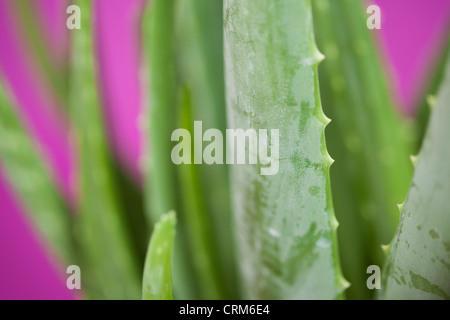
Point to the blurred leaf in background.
(110, 263)
(183, 45)
(29, 175)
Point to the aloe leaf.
(30, 178)
(157, 279)
(208, 267)
(418, 265)
(199, 34)
(284, 222)
(183, 85)
(367, 138)
(159, 45)
(161, 182)
(110, 268)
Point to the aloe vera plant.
(157, 280)
(30, 178)
(367, 138)
(285, 223)
(240, 66)
(110, 266)
(418, 266)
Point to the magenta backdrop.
(411, 33)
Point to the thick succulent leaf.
(199, 34)
(285, 223)
(110, 268)
(418, 265)
(367, 139)
(157, 279)
(30, 178)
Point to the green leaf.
(160, 48)
(285, 223)
(418, 265)
(199, 34)
(110, 267)
(183, 72)
(208, 265)
(160, 173)
(368, 140)
(157, 280)
(30, 178)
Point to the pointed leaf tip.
(157, 278)
(343, 284)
